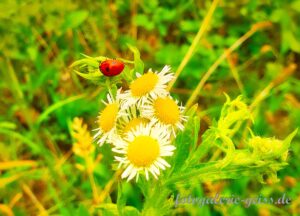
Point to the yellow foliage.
(13, 164)
(84, 145)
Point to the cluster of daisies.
(140, 124)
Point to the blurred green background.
(40, 95)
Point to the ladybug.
(111, 67)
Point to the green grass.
(248, 48)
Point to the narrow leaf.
(138, 63)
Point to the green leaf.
(98, 58)
(189, 25)
(212, 171)
(196, 131)
(296, 6)
(170, 54)
(145, 186)
(110, 209)
(208, 140)
(143, 21)
(191, 112)
(185, 141)
(127, 74)
(58, 105)
(82, 211)
(74, 19)
(138, 63)
(158, 203)
(95, 76)
(290, 41)
(8, 125)
(35, 148)
(232, 112)
(121, 200)
(287, 141)
(226, 141)
(86, 62)
(131, 211)
(89, 65)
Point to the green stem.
(225, 54)
(156, 202)
(108, 85)
(204, 26)
(214, 172)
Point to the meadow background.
(40, 95)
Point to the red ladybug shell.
(111, 67)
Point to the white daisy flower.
(107, 120)
(149, 84)
(165, 111)
(143, 150)
(130, 121)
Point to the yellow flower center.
(143, 151)
(166, 110)
(133, 123)
(108, 117)
(144, 84)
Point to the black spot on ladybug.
(111, 67)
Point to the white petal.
(127, 171)
(133, 173)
